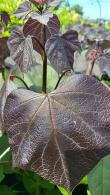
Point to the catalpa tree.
(63, 134)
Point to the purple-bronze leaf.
(4, 51)
(6, 89)
(5, 17)
(61, 135)
(24, 10)
(21, 49)
(40, 33)
(60, 50)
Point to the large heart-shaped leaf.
(61, 135)
(40, 32)
(60, 50)
(21, 49)
(24, 10)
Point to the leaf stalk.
(63, 74)
(92, 66)
(19, 78)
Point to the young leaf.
(60, 50)
(40, 32)
(6, 89)
(24, 10)
(21, 49)
(39, 2)
(42, 18)
(61, 135)
(49, 3)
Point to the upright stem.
(44, 76)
